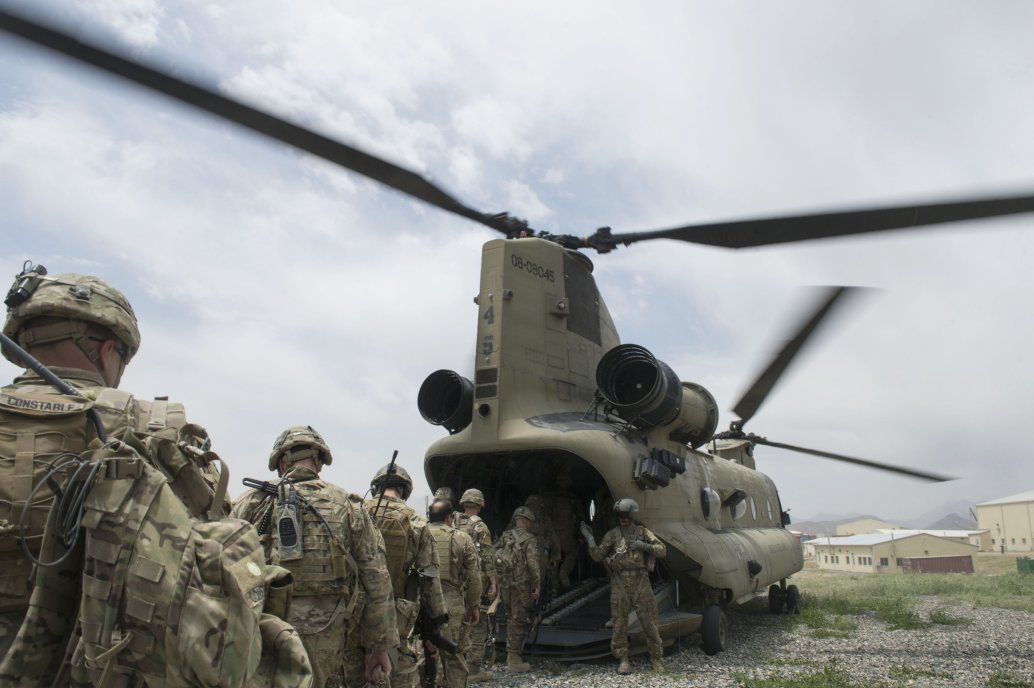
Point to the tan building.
(883, 552)
(864, 525)
(980, 538)
(1009, 521)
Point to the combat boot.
(657, 664)
(514, 665)
(479, 676)
(624, 667)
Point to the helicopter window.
(592, 510)
(584, 315)
(737, 509)
(768, 502)
(753, 510)
(709, 502)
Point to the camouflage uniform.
(630, 586)
(147, 514)
(478, 531)
(460, 574)
(545, 532)
(412, 591)
(565, 511)
(518, 571)
(341, 583)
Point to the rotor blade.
(752, 399)
(258, 121)
(933, 477)
(780, 230)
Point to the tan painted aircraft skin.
(542, 330)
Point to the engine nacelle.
(645, 392)
(446, 398)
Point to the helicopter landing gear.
(793, 599)
(713, 629)
(775, 599)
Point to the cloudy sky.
(274, 289)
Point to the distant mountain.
(827, 526)
(949, 516)
(959, 509)
(953, 522)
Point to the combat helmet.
(73, 301)
(445, 493)
(525, 512)
(397, 478)
(473, 496)
(296, 443)
(627, 507)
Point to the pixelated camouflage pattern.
(565, 513)
(341, 584)
(548, 541)
(461, 585)
(40, 424)
(417, 552)
(518, 572)
(478, 531)
(73, 297)
(630, 585)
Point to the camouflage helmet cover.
(473, 496)
(627, 507)
(290, 445)
(524, 512)
(399, 478)
(72, 297)
(445, 493)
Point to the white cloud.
(275, 289)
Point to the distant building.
(1009, 521)
(864, 525)
(980, 538)
(884, 552)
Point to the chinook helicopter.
(555, 393)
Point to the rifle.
(540, 607)
(490, 638)
(431, 630)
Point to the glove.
(586, 532)
(640, 546)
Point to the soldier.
(88, 343)
(549, 544)
(629, 552)
(472, 502)
(518, 569)
(460, 574)
(412, 561)
(566, 512)
(85, 331)
(324, 536)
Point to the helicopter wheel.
(713, 629)
(775, 599)
(793, 599)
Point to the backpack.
(508, 556)
(169, 593)
(394, 521)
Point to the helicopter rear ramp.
(576, 626)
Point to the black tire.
(793, 599)
(775, 599)
(713, 629)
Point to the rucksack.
(394, 522)
(171, 592)
(508, 558)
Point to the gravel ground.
(995, 650)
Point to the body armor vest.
(393, 519)
(443, 540)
